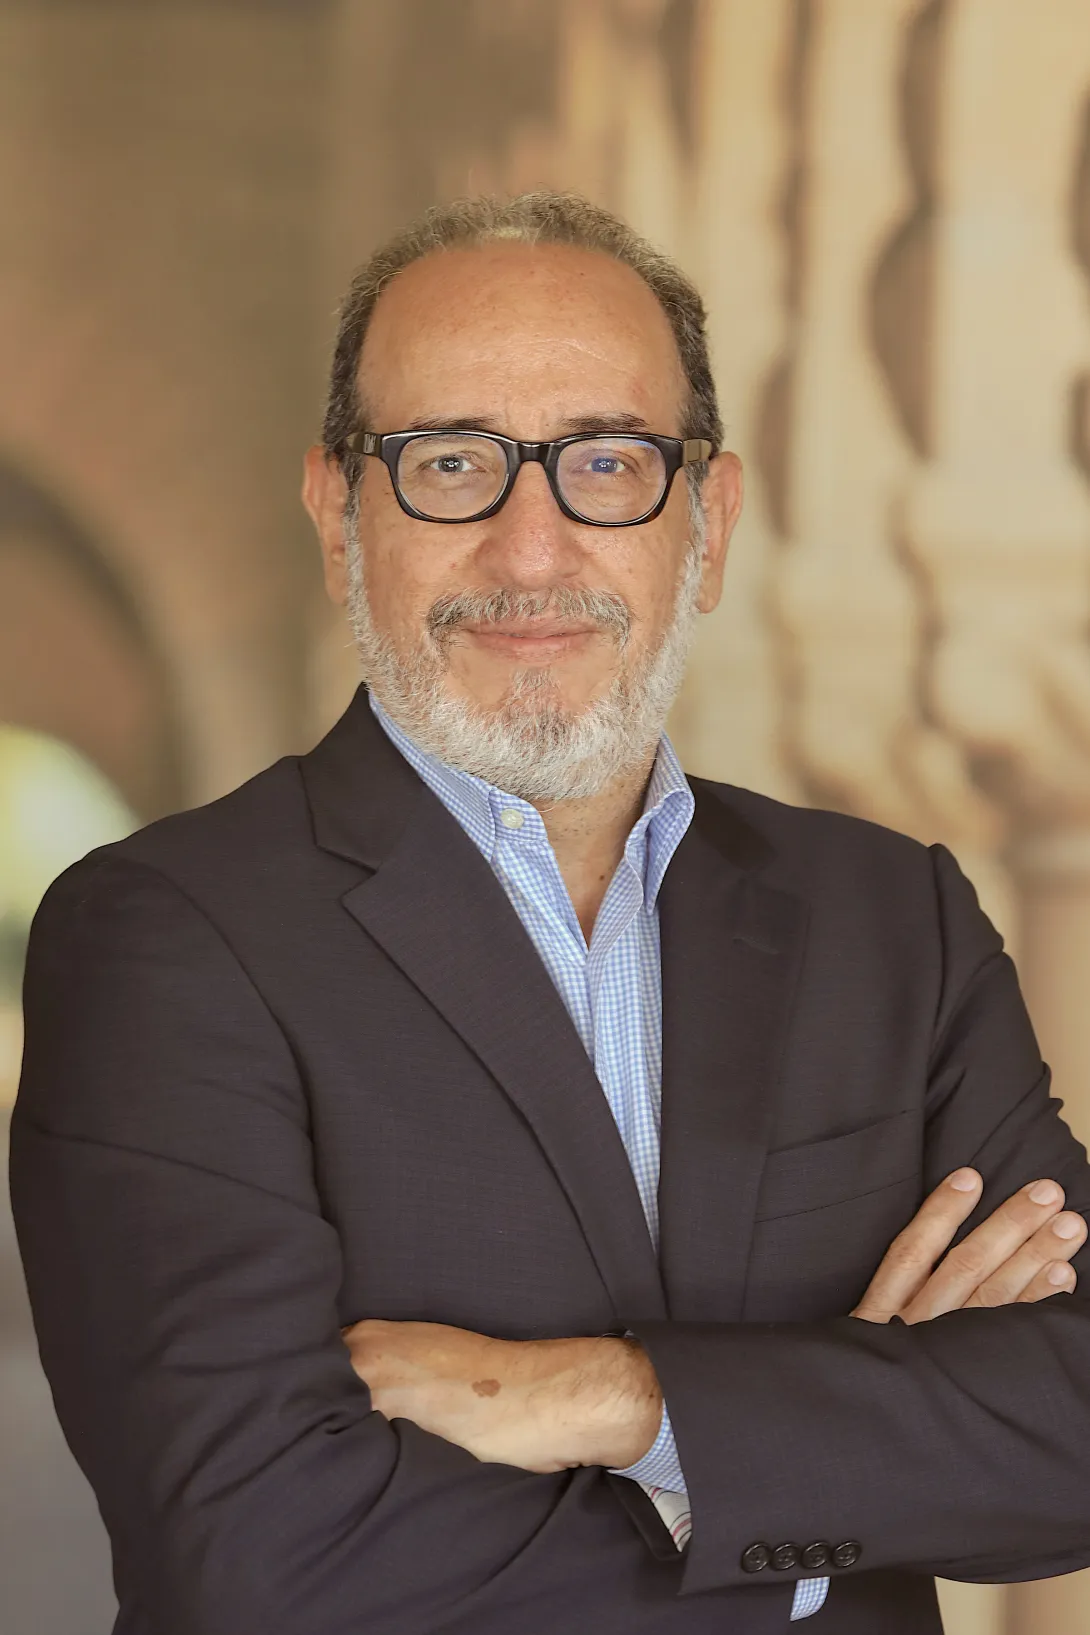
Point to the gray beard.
(529, 746)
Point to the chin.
(535, 691)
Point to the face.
(527, 628)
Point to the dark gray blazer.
(292, 1061)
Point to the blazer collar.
(730, 948)
(362, 793)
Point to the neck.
(588, 838)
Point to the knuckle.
(906, 1254)
(991, 1294)
(968, 1260)
(1041, 1247)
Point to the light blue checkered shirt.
(612, 990)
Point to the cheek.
(646, 574)
(406, 570)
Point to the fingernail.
(1044, 1192)
(1067, 1226)
(965, 1180)
(1060, 1275)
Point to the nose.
(530, 542)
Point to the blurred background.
(887, 205)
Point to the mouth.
(534, 639)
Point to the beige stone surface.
(730, 721)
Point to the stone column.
(999, 523)
(849, 605)
(728, 723)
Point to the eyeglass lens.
(454, 475)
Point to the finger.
(981, 1254)
(1057, 1241)
(907, 1263)
(1059, 1278)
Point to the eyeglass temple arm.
(694, 449)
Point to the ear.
(722, 498)
(324, 495)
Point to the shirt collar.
(479, 806)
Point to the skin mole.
(486, 1388)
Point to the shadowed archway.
(76, 659)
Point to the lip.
(540, 641)
(531, 629)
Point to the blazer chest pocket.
(842, 1167)
(826, 1214)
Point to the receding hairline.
(537, 220)
(541, 252)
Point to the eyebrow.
(572, 425)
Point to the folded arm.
(184, 1286)
(958, 1446)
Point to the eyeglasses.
(601, 479)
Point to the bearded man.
(473, 1178)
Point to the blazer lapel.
(731, 950)
(434, 906)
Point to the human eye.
(610, 460)
(437, 458)
(599, 459)
(452, 465)
(451, 474)
(606, 463)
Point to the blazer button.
(756, 1558)
(847, 1554)
(785, 1557)
(817, 1555)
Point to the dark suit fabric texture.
(292, 1061)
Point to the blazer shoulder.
(808, 842)
(790, 828)
(251, 833)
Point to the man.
(467, 1154)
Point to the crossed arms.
(184, 1281)
(549, 1405)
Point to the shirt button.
(512, 818)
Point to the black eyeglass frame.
(388, 446)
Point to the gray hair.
(532, 218)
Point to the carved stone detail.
(850, 606)
(729, 721)
(999, 519)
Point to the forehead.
(531, 335)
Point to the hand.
(544, 1405)
(1019, 1254)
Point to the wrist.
(624, 1404)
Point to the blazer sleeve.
(958, 1447)
(184, 1282)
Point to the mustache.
(604, 609)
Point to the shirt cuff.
(810, 1596)
(660, 1466)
